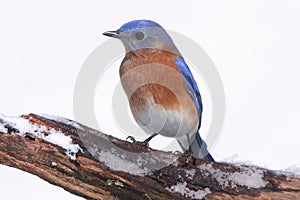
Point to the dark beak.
(114, 34)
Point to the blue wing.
(191, 85)
(198, 146)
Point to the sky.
(254, 45)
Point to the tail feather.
(199, 149)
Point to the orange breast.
(152, 77)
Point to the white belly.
(169, 123)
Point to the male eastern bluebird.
(163, 95)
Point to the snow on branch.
(93, 165)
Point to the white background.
(254, 44)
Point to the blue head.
(143, 34)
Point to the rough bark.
(89, 178)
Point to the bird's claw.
(189, 156)
(134, 141)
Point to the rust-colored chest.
(155, 86)
(152, 75)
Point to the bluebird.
(163, 95)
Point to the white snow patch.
(54, 136)
(3, 129)
(190, 173)
(63, 120)
(293, 170)
(251, 177)
(186, 192)
(234, 159)
(117, 162)
(134, 163)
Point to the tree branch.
(108, 175)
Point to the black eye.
(139, 35)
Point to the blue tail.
(199, 149)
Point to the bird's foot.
(189, 157)
(144, 143)
(134, 141)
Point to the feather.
(191, 85)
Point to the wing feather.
(191, 85)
